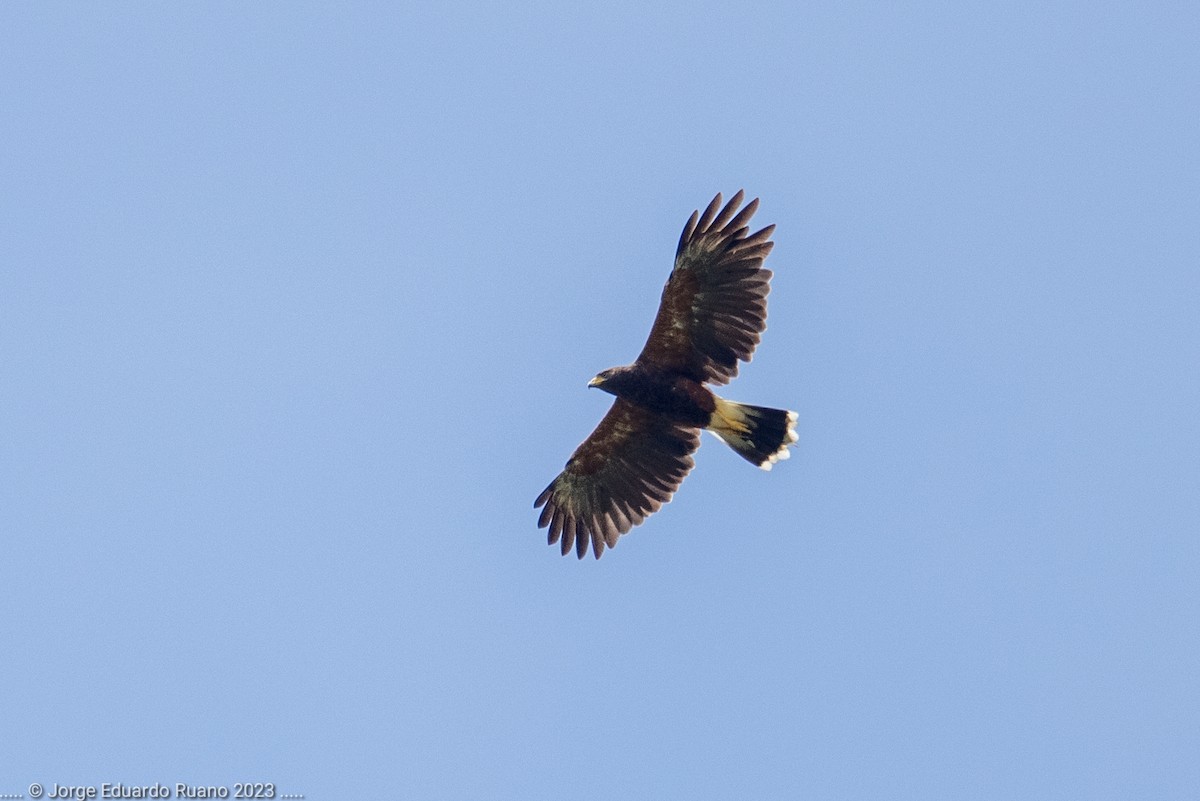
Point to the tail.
(759, 435)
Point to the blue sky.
(297, 308)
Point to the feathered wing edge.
(714, 306)
(622, 473)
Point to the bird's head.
(607, 380)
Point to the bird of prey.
(713, 310)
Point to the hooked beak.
(595, 382)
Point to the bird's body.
(672, 395)
(712, 313)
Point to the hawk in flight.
(713, 310)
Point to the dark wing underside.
(624, 471)
(714, 306)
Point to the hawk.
(712, 313)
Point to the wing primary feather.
(688, 230)
(621, 521)
(544, 517)
(611, 533)
(733, 236)
(744, 215)
(758, 236)
(726, 213)
(582, 539)
(568, 533)
(707, 217)
(597, 544)
(756, 252)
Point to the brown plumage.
(712, 313)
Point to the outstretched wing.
(714, 306)
(624, 471)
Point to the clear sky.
(297, 308)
